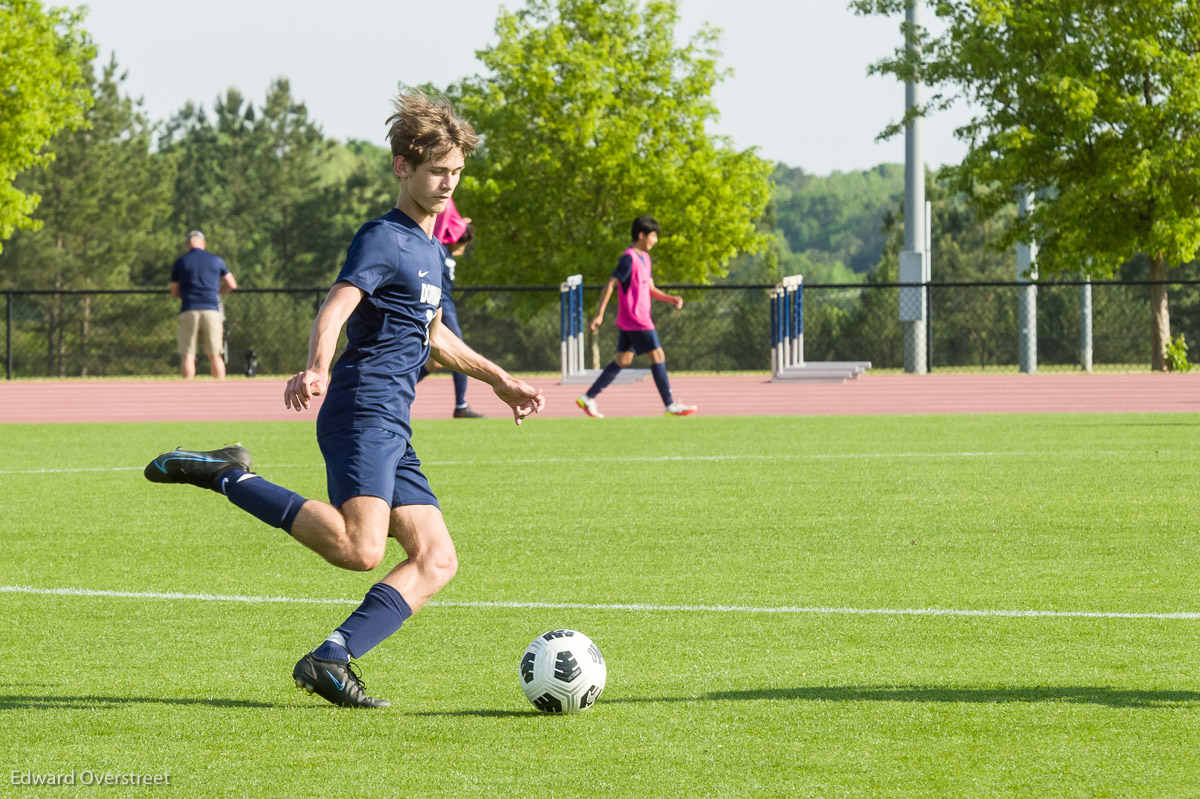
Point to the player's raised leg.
(351, 536)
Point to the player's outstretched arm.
(663, 296)
(450, 351)
(599, 318)
(322, 343)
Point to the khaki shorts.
(206, 325)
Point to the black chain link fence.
(971, 326)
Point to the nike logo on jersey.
(423, 274)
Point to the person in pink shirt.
(635, 288)
(455, 232)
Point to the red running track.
(262, 399)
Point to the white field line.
(637, 607)
(671, 459)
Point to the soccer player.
(387, 295)
(637, 334)
(455, 232)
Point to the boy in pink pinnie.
(455, 232)
(637, 334)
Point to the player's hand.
(523, 398)
(677, 301)
(302, 388)
(595, 323)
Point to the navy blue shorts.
(638, 341)
(373, 462)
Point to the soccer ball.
(562, 671)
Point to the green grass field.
(748, 549)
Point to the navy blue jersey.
(401, 270)
(199, 274)
(449, 312)
(624, 271)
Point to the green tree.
(592, 115)
(1093, 106)
(828, 228)
(258, 181)
(837, 218)
(42, 53)
(105, 200)
(213, 191)
(354, 183)
(105, 203)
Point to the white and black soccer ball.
(562, 671)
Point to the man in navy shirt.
(387, 296)
(199, 278)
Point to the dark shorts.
(374, 462)
(638, 341)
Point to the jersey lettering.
(431, 294)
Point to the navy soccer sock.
(381, 613)
(333, 648)
(460, 390)
(659, 371)
(607, 376)
(275, 505)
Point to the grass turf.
(1014, 513)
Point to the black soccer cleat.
(198, 468)
(465, 412)
(334, 680)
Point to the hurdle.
(787, 325)
(573, 335)
(787, 341)
(570, 301)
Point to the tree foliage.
(841, 214)
(267, 187)
(829, 228)
(106, 200)
(592, 115)
(44, 90)
(1093, 106)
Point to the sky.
(800, 92)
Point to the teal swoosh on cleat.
(340, 685)
(162, 468)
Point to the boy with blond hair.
(388, 296)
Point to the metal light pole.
(914, 261)
(1027, 294)
(1085, 325)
